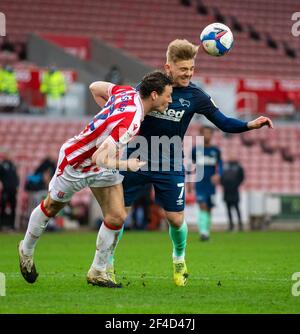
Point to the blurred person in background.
(40, 178)
(206, 188)
(21, 50)
(9, 183)
(6, 44)
(9, 91)
(8, 81)
(37, 183)
(114, 75)
(141, 209)
(47, 168)
(53, 86)
(231, 179)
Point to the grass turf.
(246, 272)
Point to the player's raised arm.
(107, 156)
(100, 91)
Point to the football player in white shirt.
(91, 159)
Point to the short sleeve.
(116, 89)
(124, 132)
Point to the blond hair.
(181, 49)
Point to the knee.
(116, 219)
(175, 219)
(51, 207)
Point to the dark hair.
(154, 82)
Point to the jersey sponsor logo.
(184, 103)
(61, 194)
(169, 114)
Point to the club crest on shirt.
(184, 103)
(61, 194)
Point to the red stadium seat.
(136, 27)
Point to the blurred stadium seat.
(36, 138)
(143, 29)
(140, 28)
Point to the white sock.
(106, 244)
(36, 226)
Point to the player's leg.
(60, 192)
(229, 214)
(110, 266)
(38, 221)
(203, 216)
(169, 193)
(178, 232)
(112, 204)
(210, 204)
(2, 208)
(133, 186)
(37, 224)
(236, 206)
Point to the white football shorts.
(64, 186)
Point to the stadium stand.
(38, 136)
(139, 28)
(264, 172)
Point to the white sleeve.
(109, 89)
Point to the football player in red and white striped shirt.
(91, 159)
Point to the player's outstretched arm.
(100, 91)
(229, 124)
(107, 156)
(260, 122)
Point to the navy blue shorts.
(207, 198)
(169, 188)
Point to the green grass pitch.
(248, 272)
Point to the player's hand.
(215, 179)
(260, 122)
(135, 164)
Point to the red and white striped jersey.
(120, 119)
